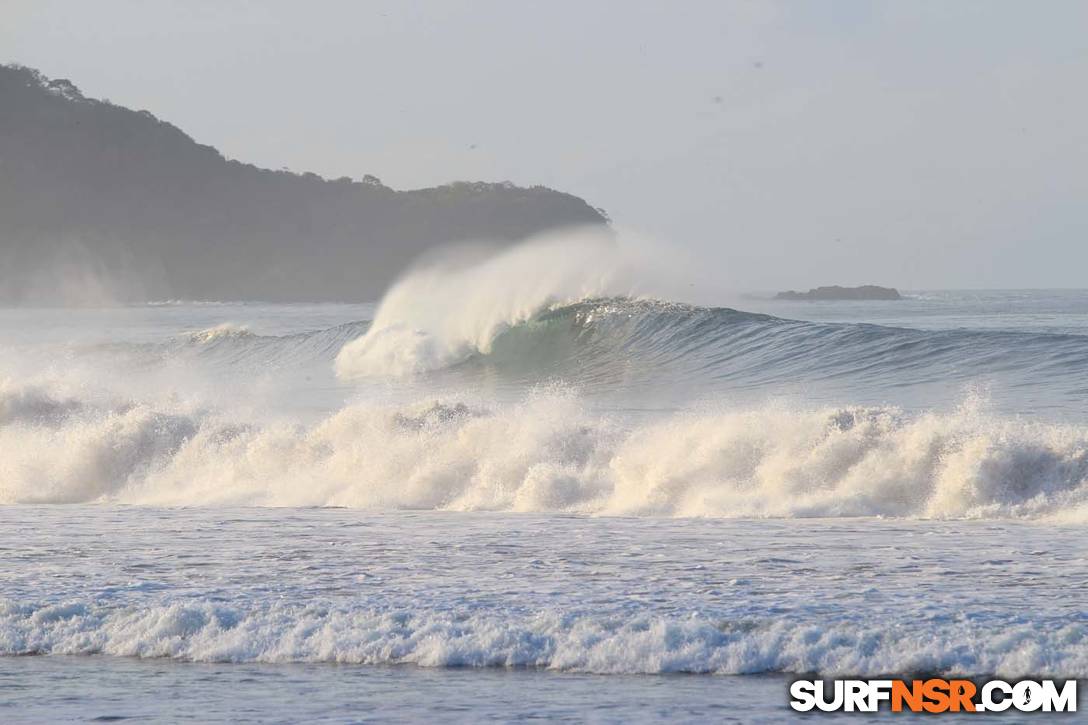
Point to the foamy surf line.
(548, 453)
(204, 631)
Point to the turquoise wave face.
(629, 346)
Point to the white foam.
(549, 453)
(564, 641)
(222, 331)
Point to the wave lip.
(439, 315)
(562, 641)
(224, 331)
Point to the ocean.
(550, 505)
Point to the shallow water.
(259, 598)
(90, 690)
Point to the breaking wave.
(441, 314)
(563, 641)
(623, 344)
(618, 341)
(549, 452)
(567, 308)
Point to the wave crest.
(439, 315)
(224, 331)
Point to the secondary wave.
(547, 453)
(564, 641)
(229, 344)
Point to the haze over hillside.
(102, 203)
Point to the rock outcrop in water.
(865, 292)
(103, 203)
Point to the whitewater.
(530, 464)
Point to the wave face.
(604, 339)
(549, 452)
(636, 348)
(565, 310)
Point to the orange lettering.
(912, 696)
(936, 694)
(961, 692)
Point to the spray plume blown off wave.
(441, 314)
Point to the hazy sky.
(784, 144)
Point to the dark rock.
(865, 292)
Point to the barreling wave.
(634, 346)
(563, 309)
(548, 453)
(619, 342)
(571, 641)
(439, 315)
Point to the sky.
(917, 144)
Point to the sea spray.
(550, 452)
(443, 312)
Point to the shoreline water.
(514, 616)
